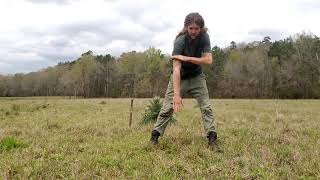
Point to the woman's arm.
(205, 59)
(177, 101)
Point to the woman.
(191, 49)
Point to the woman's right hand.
(177, 103)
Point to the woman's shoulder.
(180, 39)
(205, 39)
(205, 35)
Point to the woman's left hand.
(180, 57)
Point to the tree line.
(288, 68)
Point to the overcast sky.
(35, 34)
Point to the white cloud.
(35, 34)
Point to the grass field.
(90, 139)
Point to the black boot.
(213, 145)
(154, 137)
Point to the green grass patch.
(9, 143)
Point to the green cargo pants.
(197, 88)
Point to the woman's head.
(193, 25)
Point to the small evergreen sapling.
(153, 110)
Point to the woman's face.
(193, 30)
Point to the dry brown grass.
(86, 138)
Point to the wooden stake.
(131, 109)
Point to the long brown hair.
(192, 18)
